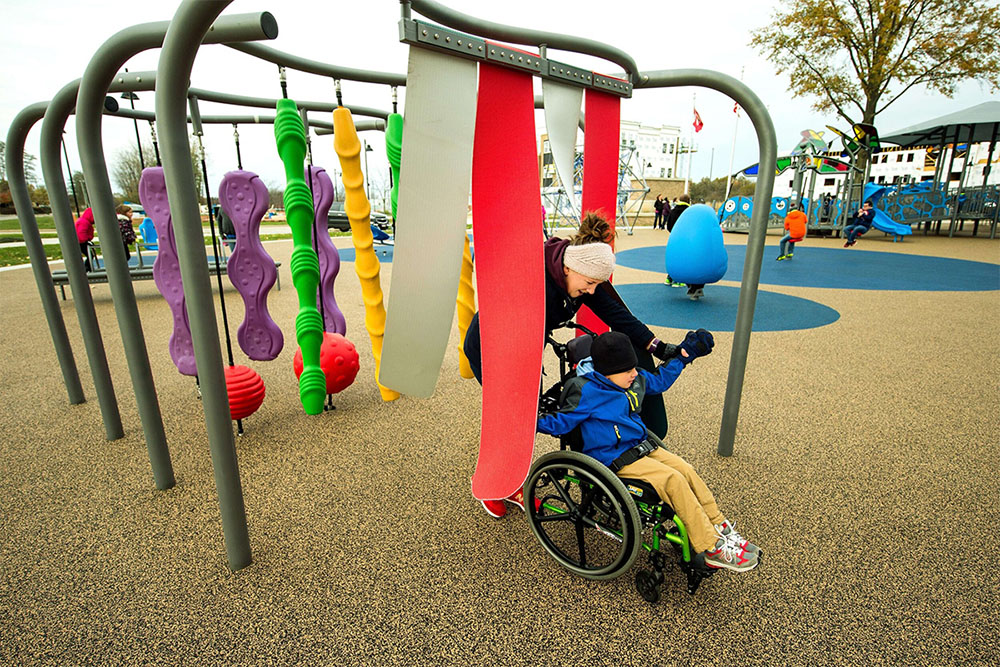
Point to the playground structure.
(562, 210)
(898, 207)
(435, 278)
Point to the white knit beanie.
(593, 260)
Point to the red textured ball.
(246, 391)
(339, 360)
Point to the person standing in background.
(124, 214)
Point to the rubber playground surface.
(864, 465)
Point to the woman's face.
(578, 284)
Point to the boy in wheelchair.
(603, 400)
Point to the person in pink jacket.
(85, 234)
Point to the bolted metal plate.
(421, 33)
(564, 72)
(427, 34)
(613, 85)
(514, 58)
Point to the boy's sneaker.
(789, 256)
(695, 294)
(779, 258)
(730, 557)
(495, 508)
(673, 283)
(727, 532)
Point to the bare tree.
(126, 171)
(857, 57)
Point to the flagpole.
(687, 173)
(732, 150)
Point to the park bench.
(143, 270)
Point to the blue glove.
(696, 344)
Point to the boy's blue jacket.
(608, 415)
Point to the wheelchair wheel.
(648, 584)
(585, 519)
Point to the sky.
(48, 43)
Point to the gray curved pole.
(314, 67)
(14, 159)
(452, 19)
(376, 124)
(100, 74)
(53, 125)
(768, 147)
(266, 103)
(189, 25)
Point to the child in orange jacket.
(795, 231)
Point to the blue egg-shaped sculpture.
(696, 253)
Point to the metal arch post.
(100, 73)
(14, 159)
(768, 147)
(53, 124)
(315, 67)
(265, 103)
(188, 28)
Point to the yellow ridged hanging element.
(348, 147)
(466, 309)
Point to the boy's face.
(623, 379)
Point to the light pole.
(368, 189)
(72, 181)
(132, 97)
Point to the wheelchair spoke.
(564, 493)
(562, 516)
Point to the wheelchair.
(593, 522)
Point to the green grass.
(14, 238)
(44, 222)
(14, 256)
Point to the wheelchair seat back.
(578, 349)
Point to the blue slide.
(883, 222)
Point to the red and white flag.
(697, 122)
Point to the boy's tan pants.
(678, 484)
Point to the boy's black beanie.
(612, 353)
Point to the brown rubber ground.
(865, 465)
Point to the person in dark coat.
(124, 215)
(658, 212)
(666, 213)
(680, 205)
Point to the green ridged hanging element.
(290, 135)
(394, 151)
